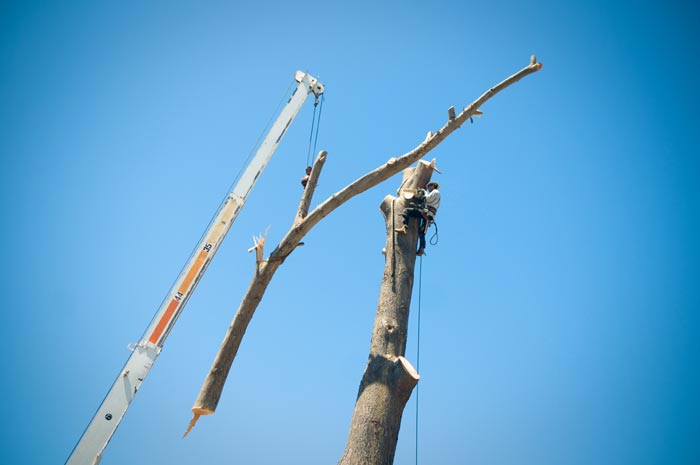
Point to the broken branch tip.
(191, 425)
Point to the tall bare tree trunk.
(389, 378)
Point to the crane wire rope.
(262, 133)
(314, 122)
(311, 134)
(318, 123)
(230, 188)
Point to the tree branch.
(212, 387)
(310, 187)
(394, 165)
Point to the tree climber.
(423, 206)
(305, 179)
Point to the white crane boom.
(88, 450)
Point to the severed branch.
(259, 247)
(310, 187)
(212, 387)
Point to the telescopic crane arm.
(99, 431)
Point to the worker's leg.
(426, 220)
(421, 241)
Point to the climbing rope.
(435, 235)
(393, 243)
(420, 286)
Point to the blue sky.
(559, 311)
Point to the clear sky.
(559, 310)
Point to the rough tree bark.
(389, 378)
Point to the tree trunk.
(389, 378)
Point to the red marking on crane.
(196, 268)
(163, 321)
(172, 306)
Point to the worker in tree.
(432, 199)
(305, 179)
(424, 205)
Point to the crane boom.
(88, 450)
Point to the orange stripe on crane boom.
(175, 303)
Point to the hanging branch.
(212, 387)
(310, 187)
